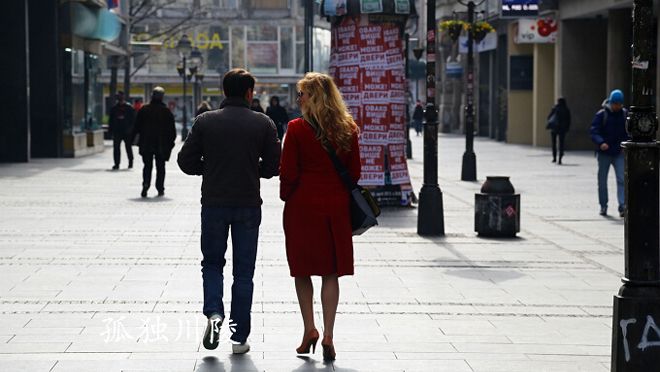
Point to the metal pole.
(184, 128)
(635, 330)
(309, 26)
(469, 168)
(430, 219)
(408, 141)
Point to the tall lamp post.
(197, 60)
(636, 320)
(184, 48)
(430, 218)
(469, 167)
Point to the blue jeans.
(244, 223)
(604, 162)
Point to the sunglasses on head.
(301, 93)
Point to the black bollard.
(497, 208)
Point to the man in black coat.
(155, 131)
(122, 116)
(278, 115)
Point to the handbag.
(552, 121)
(364, 209)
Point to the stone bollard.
(497, 208)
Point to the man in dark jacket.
(608, 130)
(122, 116)
(559, 122)
(418, 116)
(278, 115)
(155, 131)
(231, 148)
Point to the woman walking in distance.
(317, 222)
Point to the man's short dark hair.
(236, 82)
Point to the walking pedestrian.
(418, 115)
(608, 130)
(122, 118)
(231, 148)
(256, 105)
(202, 108)
(155, 132)
(137, 105)
(278, 115)
(559, 121)
(317, 224)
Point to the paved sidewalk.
(97, 279)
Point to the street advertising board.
(536, 31)
(519, 8)
(368, 67)
(488, 43)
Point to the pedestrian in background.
(231, 148)
(418, 116)
(608, 130)
(202, 108)
(137, 105)
(559, 122)
(278, 115)
(155, 134)
(122, 118)
(256, 105)
(317, 224)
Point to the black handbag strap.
(341, 169)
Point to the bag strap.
(339, 167)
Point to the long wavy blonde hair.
(326, 110)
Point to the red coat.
(317, 224)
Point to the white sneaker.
(212, 334)
(240, 348)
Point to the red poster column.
(368, 66)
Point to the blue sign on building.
(519, 8)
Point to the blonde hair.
(326, 111)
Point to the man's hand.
(604, 146)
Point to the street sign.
(519, 8)
(488, 43)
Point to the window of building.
(300, 49)
(237, 47)
(286, 48)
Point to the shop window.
(262, 33)
(269, 4)
(286, 48)
(237, 47)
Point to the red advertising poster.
(398, 165)
(375, 123)
(373, 165)
(397, 129)
(375, 79)
(349, 77)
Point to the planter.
(478, 36)
(497, 209)
(454, 31)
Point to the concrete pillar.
(619, 39)
(520, 101)
(46, 93)
(543, 94)
(15, 82)
(583, 75)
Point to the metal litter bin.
(497, 208)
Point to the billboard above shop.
(536, 31)
(519, 8)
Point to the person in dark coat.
(155, 132)
(122, 117)
(559, 121)
(231, 148)
(316, 218)
(608, 130)
(278, 115)
(418, 116)
(202, 108)
(256, 105)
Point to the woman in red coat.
(317, 222)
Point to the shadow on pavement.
(151, 199)
(211, 364)
(310, 365)
(488, 275)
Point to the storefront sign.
(371, 6)
(453, 69)
(402, 6)
(488, 43)
(542, 30)
(519, 8)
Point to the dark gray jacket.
(231, 148)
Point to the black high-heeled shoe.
(329, 353)
(309, 341)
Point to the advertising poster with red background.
(368, 66)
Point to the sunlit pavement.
(94, 278)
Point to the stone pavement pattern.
(97, 279)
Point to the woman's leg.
(329, 301)
(553, 135)
(305, 292)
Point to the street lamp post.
(408, 141)
(636, 320)
(469, 166)
(184, 46)
(430, 219)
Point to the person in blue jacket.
(608, 130)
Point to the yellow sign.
(202, 40)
